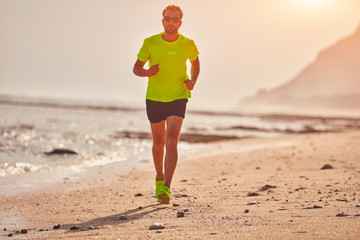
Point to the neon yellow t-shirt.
(168, 84)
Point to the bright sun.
(313, 2)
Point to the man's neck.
(170, 37)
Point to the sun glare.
(313, 2)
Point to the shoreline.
(28, 182)
(350, 115)
(219, 194)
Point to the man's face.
(171, 21)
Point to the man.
(169, 88)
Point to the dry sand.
(307, 203)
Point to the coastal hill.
(331, 81)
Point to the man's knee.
(171, 141)
(158, 142)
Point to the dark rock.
(266, 187)
(247, 210)
(61, 151)
(157, 226)
(252, 203)
(23, 231)
(358, 205)
(180, 214)
(313, 207)
(253, 194)
(89, 228)
(308, 129)
(25, 126)
(74, 228)
(56, 226)
(184, 180)
(122, 217)
(327, 166)
(10, 235)
(139, 195)
(176, 205)
(180, 195)
(341, 215)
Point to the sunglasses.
(174, 19)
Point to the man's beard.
(171, 29)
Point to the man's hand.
(141, 72)
(153, 70)
(189, 84)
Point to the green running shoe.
(164, 195)
(159, 184)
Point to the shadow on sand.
(116, 219)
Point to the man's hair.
(173, 8)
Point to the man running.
(169, 88)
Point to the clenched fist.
(189, 84)
(153, 70)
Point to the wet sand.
(271, 193)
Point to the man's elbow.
(136, 70)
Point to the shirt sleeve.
(144, 53)
(193, 51)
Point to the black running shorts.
(159, 111)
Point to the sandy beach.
(276, 192)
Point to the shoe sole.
(164, 198)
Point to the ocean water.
(29, 131)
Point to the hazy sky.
(86, 49)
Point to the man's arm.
(195, 70)
(141, 72)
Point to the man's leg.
(172, 138)
(158, 135)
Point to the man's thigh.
(158, 131)
(173, 127)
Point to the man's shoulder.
(153, 38)
(186, 39)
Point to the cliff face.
(333, 79)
